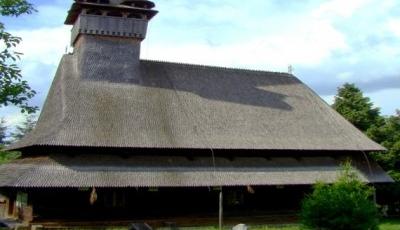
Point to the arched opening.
(128, 4)
(136, 15)
(93, 12)
(139, 4)
(98, 1)
(114, 14)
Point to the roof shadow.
(213, 83)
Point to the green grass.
(385, 225)
(291, 227)
(288, 227)
(8, 156)
(390, 225)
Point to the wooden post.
(221, 209)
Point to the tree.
(24, 128)
(388, 135)
(13, 89)
(359, 110)
(344, 205)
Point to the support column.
(4, 205)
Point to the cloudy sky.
(328, 42)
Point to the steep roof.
(170, 105)
(60, 171)
(77, 6)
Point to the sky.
(327, 42)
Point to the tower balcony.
(109, 26)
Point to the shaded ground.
(392, 224)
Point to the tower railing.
(109, 26)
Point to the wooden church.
(120, 138)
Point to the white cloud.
(12, 115)
(394, 26)
(329, 99)
(341, 8)
(308, 45)
(44, 45)
(14, 119)
(345, 76)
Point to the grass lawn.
(291, 227)
(8, 156)
(385, 225)
(390, 225)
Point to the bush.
(344, 205)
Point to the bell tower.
(106, 36)
(113, 18)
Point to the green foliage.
(344, 205)
(13, 89)
(6, 156)
(359, 110)
(15, 7)
(387, 135)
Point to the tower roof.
(128, 6)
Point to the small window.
(127, 3)
(98, 1)
(114, 14)
(135, 15)
(139, 4)
(94, 12)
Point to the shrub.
(343, 205)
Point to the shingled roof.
(60, 171)
(170, 105)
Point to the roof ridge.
(216, 67)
